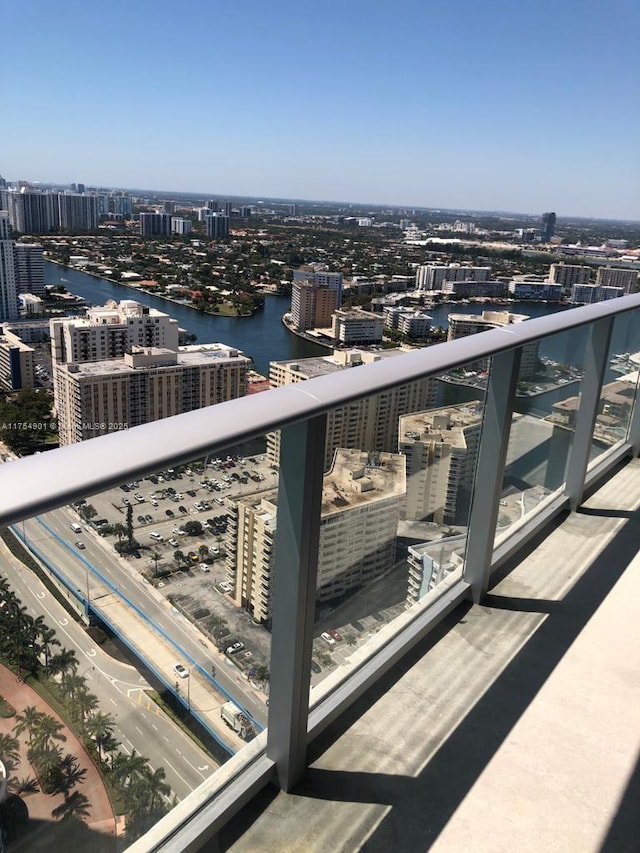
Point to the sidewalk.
(101, 817)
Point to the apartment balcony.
(498, 711)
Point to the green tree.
(100, 728)
(28, 721)
(193, 528)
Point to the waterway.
(264, 337)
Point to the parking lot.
(185, 561)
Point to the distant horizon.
(464, 211)
(494, 106)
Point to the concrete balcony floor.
(515, 728)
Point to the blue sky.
(501, 105)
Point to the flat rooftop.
(515, 727)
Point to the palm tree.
(158, 787)
(203, 550)
(100, 727)
(48, 730)
(75, 807)
(120, 531)
(178, 556)
(9, 750)
(155, 557)
(72, 685)
(124, 768)
(48, 639)
(65, 661)
(28, 721)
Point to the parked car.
(225, 586)
(141, 519)
(148, 518)
(336, 636)
(204, 568)
(316, 667)
(328, 638)
(157, 537)
(234, 648)
(170, 513)
(180, 670)
(183, 510)
(174, 543)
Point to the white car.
(180, 670)
(174, 543)
(328, 639)
(158, 537)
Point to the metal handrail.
(92, 466)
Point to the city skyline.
(493, 108)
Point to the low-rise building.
(587, 294)
(355, 327)
(17, 366)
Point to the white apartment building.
(361, 497)
(370, 424)
(587, 294)
(441, 449)
(8, 284)
(354, 327)
(433, 276)
(146, 384)
(181, 226)
(543, 290)
(618, 277)
(461, 325)
(569, 274)
(30, 305)
(111, 331)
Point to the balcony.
(500, 706)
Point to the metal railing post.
(294, 594)
(595, 364)
(492, 454)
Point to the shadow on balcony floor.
(518, 731)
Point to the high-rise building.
(433, 276)
(146, 384)
(8, 287)
(441, 449)
(110, 332)
(316, 293)
(361, 497)
(169, 206)
(29, 263)
(78, 212)
(547, 227)
(212, 206)
(152, 224)
(569, 274)
(217, 225)
(618, 277)
(370, 424)
(32, 212)
(120, 205)
(181, 226)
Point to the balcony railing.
(589, 428)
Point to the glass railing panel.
(542, 426)
(619, 388)
(141, 633)
(399, 469)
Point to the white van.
(76, 528)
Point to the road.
(86, 569)
(120, 689)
